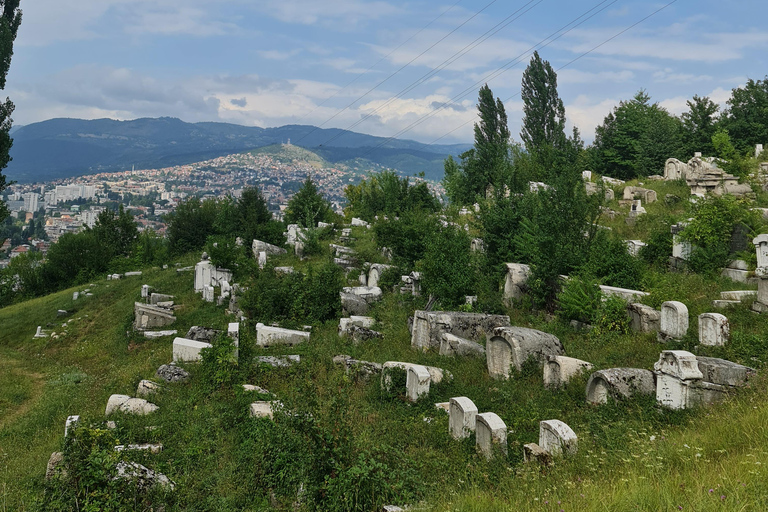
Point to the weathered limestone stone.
(558, 370)
(345, 324)
(148, 447)
(145, 477)
(723, 372)
(429, 326)
(145, 291)
(133, 273)
(443, 406)
(676, 373)
(269, 336)
(262, 258)
(154, 298)
(532, 452)
(374, 273)
(203, 273)
(279, 361)
(490, 431)
(146, 388)
(737, 270)
(208, 293)
(617, 383)
(172, 373)
(391, 367)
(255, 389)
(362, 369)
(738, 295)
(262, 409)
(55, 466)
(513, 346)
(674, 321)
(200, 333)
(359, 222)
(71, 422)
(714, 329)
(369, 294)
(128, 405)
(644, 318)
(674, 169)
(353, 305)
(516, 282)
(451, 345)
(392, 508)
(362, 334)
(270, 250)
(462, 417)
(634, 246)
(149, 317)
(623, 293)
(417, 382)
(188, 350)
(722, 304)
(557, 438)
(40, 333)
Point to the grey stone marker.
(462, 417)
(616, 383)
(71, 422)
(714, 329)
(417, 382)
(490, 431)
(557, 438)
(558, 370)
(513, 346)
(677, 371)
(674, 321)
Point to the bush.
(450, 272)
(609, 261)
(579, 299)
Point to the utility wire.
(422, 29)
(401, 68)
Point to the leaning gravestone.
(618, 383)
(509, 347)
(490, 431)
(417, 382)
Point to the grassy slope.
(619, 467)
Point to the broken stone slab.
(154, 298)
(186, 350)
(267, 336)
(462, 417)
(40, 333)
(362, 334)
(369, 294)
(429, 326)
(279, 361)
(147, 388)
(271, 250)
(558, 370)
(359, 222)
(145, 477)
(353, 305)
(557, 438)
(391, 367)
(674, 321)
(644, 318)
(623, 293)
(262, 409)
(364, 369)
(199, 333)
(284, 270)
(133, 273)
(738, 294)
(490, 432)
(128, 405)
(358, 321)
(160, 334)
(722, 304)
(714, 329)
(255, 389)
(149, 317)
(618, 383)
(736, 275)
(513, 346)
(375, 271)
(172, 373)
(516, 281)
(532, 452)
(451, 345)
(723, 372)
(677, 376)
(417, 382)
(679, 364)
(147, 447)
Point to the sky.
(410, 69)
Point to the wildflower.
(722, 497)
(711, 491)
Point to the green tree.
(488, 162)
(448, 268)
(636, 139)
(116, 230)
(307, 207)
(191, 223)
(386, 193)
(543, 129)
(254, 220)
(9, 26)
(746, 117)
(699, 125)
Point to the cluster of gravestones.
(156, 311)
(62, 313)
(208, 277)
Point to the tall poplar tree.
(9, 26)
(544, 114)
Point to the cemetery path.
(20, 390)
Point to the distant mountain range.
(62, 148)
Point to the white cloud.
(278, 54)
(587, 113)
(576, 76)
(310, 12)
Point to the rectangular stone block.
(188, 350)
(269, 336)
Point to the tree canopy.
(544, 113)
(9, 26)
(307, 207)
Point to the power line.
(422, 29)
(402, 67)
(466, 49)
(554, 36)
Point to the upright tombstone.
(558, 370)
(556, 438)
(643, 318)
(417, 382)
(714, 329)
(233, 331)
(674, 321)
(677, 372)
(144, 291)
(490, 431)
(203, 273)
(71, 422)
(429, 326)
(619, 383)
(516, 281)
(374, 274)
(513, 346)
(761, 247)
(681, 249)
(462, 417)
(209, 293)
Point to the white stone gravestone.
(417, 382)
(714, 329)
(188, 350)
(462, 414)
(674, 321)
(557, 438)
(490, 431)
